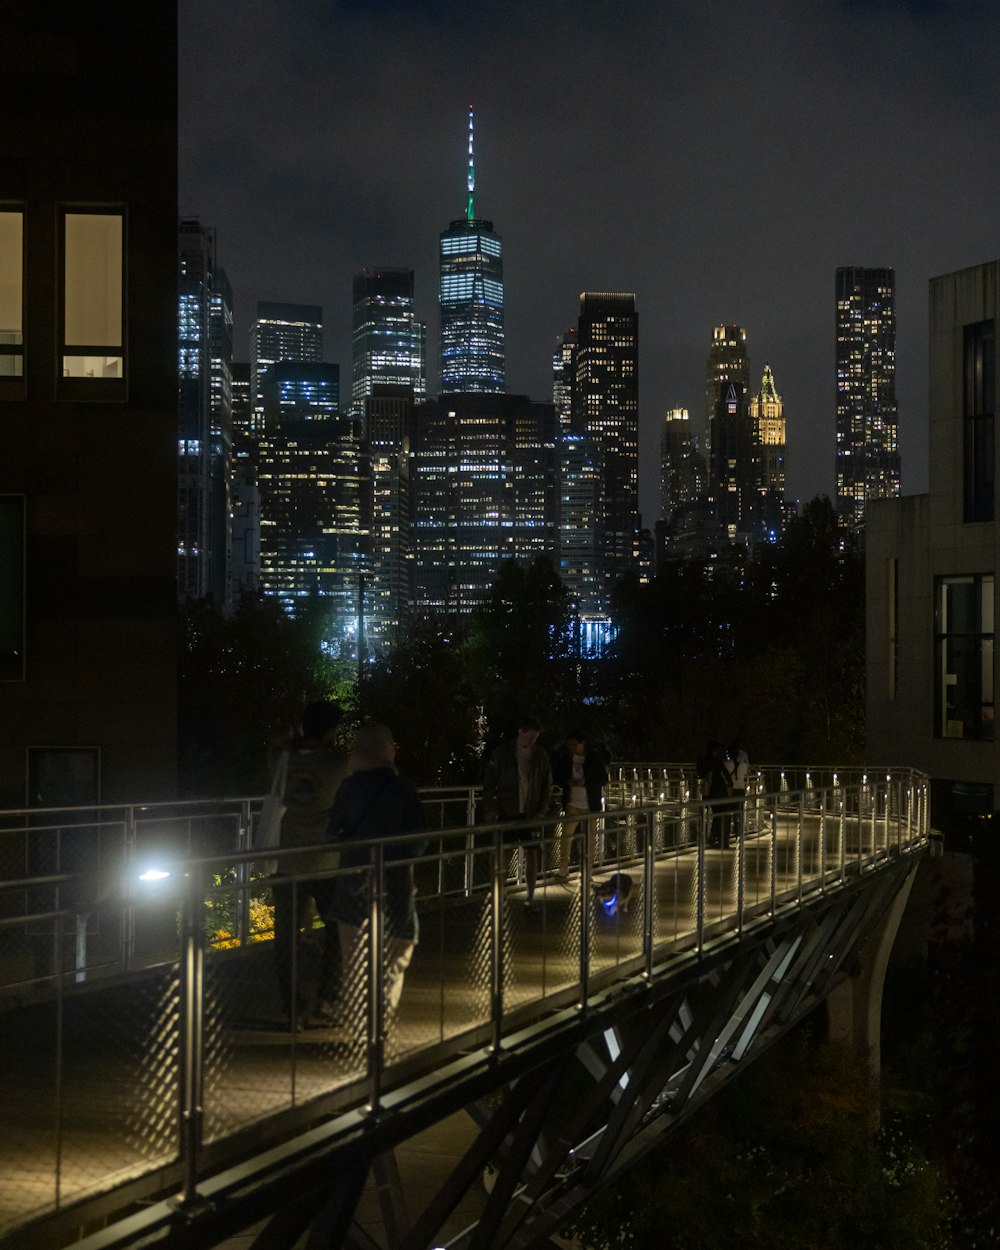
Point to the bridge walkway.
(127, 1082)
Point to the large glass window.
(93, 289)
(11, 293)
(964, 657)
(11, 587)
(978, 405)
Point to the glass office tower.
(867, 450)
(471, 299)
(389, 343)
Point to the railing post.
(741, 869)
(376, 980)
(128, 911)
(192, 1082)
(470, 841)
(700, 896)
(649, 893)
(774, 855)
(801, 840)
(496, 941)
(586, 876)
(822, 839)
(243, 875)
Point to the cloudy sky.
(720, 158)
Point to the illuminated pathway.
(154, 1067)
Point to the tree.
(421, 690)
(518, 646)
(243, 681)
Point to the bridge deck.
(89, 1076)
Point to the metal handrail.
(861, 827)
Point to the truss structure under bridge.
(152, 1092)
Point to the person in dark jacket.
(315, 767)
(581, 774)
(715, 785)
(375, 802)
(518, 786)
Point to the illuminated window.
(963, 668)
(11, 293)
(11, 587)
(93, 303)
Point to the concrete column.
(854, 1008)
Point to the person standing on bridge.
(581, 775)
(375, 802)
(315, 768)
(518, 786)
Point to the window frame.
(984, 729)
(83, 388)
(12, 385)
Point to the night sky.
(718, 159)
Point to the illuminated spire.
(767, 388)
(472, 173)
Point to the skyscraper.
(281, 332)
(767, 419)
(205, 352)
(564, 378)
(867, 464)
(683, 475)
(471, 299)
(389, 344)
(727, 363)
(315, 513)
(484, 487)
(607, 411)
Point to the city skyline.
(721, 169)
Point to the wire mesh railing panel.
(131, 1006)
(88, 1085)
(447, 988)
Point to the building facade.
(281, 332)
(315, 501)
(607, 411)
(389, 345)
(205, 424)
(471, 301)
(932, 572)
(484, 491)
(867, 461)
(683, 473)
(88, 403)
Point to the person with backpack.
(314, 769)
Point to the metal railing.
(151, 1032)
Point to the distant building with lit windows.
(281, 332)
(579, 512)
(293, 391)
(484, 491)
(867, 464)
(727, 366)
(205, 423)
(389, 343)
(471, 301)
(564, 378)
(767, 422)
(315, 493)
(606, 410)
(932, 575)
(683, 473)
